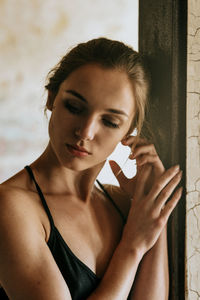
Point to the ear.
(50, 100)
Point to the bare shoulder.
(14, 201)
(19, 214)
(19, 207)
(119, 197)
(16, 196)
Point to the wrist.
(132, 252)
(133, 245)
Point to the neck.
(56, 179)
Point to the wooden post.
(163, 41)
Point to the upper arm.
(27, 267)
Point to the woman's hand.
(150, 189)
(144, 154)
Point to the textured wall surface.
(34, 35)
(193, 154)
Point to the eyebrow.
(74, 93)
(112, 110)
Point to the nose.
(87, 129)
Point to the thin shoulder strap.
(112, 201)
(30, 172)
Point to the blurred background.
(34, 35)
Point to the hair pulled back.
(109, 54)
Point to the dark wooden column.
(163, 41)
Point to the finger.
(147, 150)
(133, 141)
(151, 159)
(168, 190)
(146, 158)
(163, 181)
(143, 149)
(128, 140)
(169, 207)
(117, 171)
(142, 177)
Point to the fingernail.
(132, 155)
(124, 141)
(177, 168)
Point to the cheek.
(55, 127)
(109, 143)
(57, 121)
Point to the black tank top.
(80, 279)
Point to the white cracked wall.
(193, 154)
(34, 35)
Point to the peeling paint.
(193, 155)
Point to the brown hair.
(109, 54)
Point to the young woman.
(62, 237)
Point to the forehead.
(95, 82)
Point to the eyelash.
(76, 111)
(72, 109)
(110, 124)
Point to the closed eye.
(108, 123)
(73, 108)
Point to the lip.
(77, 150)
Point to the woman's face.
(91, 114)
